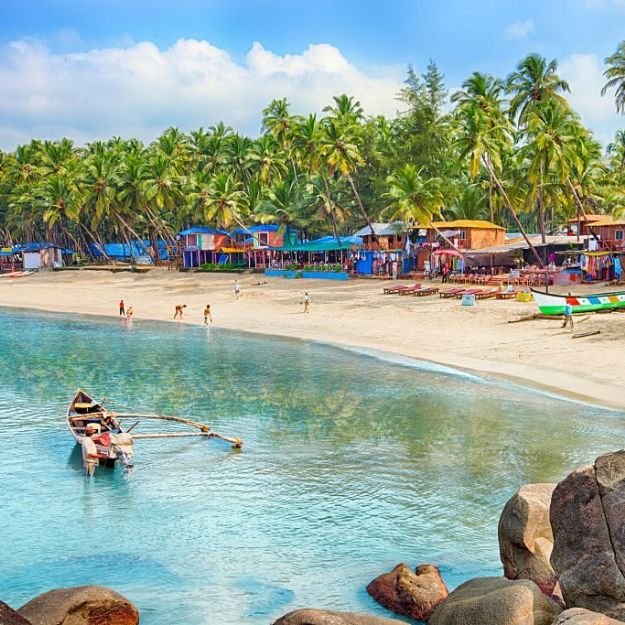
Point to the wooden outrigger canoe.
(551, 304)
(111, 441)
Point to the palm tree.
(413, 198)
(223, 201)
(615, 74)
(532, 84)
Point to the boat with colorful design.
(552, 304)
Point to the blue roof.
(120, 251)
(201, 230)
(40, 245)
(257, 228)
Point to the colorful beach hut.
(202, 244)
(259, 241)
(383, 251)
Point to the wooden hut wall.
(478, 238)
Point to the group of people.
(179, 313)
(125, 312)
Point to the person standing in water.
(129, 313)
(122, 308)
(179, 310)
(237, 289)
(89, 450)
(207, 315)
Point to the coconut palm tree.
(534, 82)
(615, 74)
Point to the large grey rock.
(525, 536)
(8, 616)
(589, 544)
(579, 616)
(310, 616)
(415, 594)
(84, 605)
(496, 601)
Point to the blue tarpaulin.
(121, 251)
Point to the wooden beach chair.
(451, 292)
(392, 290)
(410, 290)
(467, 292)
(427, 290)
(486, 294)
(506, 295)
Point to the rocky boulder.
(579, 616)
(525, 536)
(85, 605)
(8, 616)
(588, 521)
(496, 601)
(415, 594)
(323, 617)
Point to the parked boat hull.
(551, 304)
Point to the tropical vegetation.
(510, 150)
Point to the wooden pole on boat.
(237, 443)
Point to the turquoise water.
(351, 465)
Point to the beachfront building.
(443, 244)
(43, 255)
(260, 241)
(383, 252)
(202, 244)
(8, 259)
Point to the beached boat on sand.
(551, 304)
(111, 441)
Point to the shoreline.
(339, 319)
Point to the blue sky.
(92, 69)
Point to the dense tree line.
(509, 150)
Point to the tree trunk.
(513, 212)
(362, 207)
(580, 207)
(335, 229)
(541, 209)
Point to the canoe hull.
(550, 304)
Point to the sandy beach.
(537, 353)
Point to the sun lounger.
(401, 287)
(410, 290)
(506, 295)
(486, 293)
(451, 292)
(426, 291)
(467, 292)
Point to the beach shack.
(136, 251)
(202, 244)
(610, 232)
(260, 241)
(383, 252)
(444, 243)
(8, 259)
(43, 255)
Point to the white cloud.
(139, 90)
(519, 30)
(584, 73)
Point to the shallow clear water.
(351, 465)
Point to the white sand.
(355, 313)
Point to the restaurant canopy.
(324, 244)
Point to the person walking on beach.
(237, 289)
(568, 315)
(306, 302)
(129, 313)
(89, 451)
(179, 310)
(122, 308)
(207, 315)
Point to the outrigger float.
(113, 442)
(551, 304)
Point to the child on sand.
(306, 302)
(207, 315)
(237, 289)
(179, 310)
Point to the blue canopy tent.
(122, 251)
